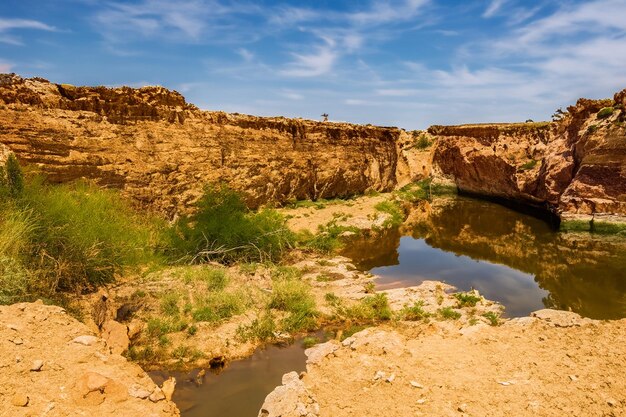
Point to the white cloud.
(493, 8)
(245, 54)
(381, 12)
(317, 63)
(8, 25)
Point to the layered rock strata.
(161, 151)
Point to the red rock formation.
(576, 166)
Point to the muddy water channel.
(240, 388)
(514, 258)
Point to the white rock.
(415, 384)
(379, 375)
(320, 351)
(138, 391)
(391, 378)
(85, 340)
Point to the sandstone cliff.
(161, 151)
(575, 166)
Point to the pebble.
(505, 383)
(421, 401)
(611, 402)
(462, 408)
(379, 375)
(36, 366)
(416, 385)
(391, 378)
(157, 395)
(20, 400)
(17, 341)
(85, 340)
(573, 378)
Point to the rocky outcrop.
(53, 365)
(575, 166)
(161, 151)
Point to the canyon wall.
(575, 166)
(161, 151)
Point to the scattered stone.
(138, 391)
(573, 378)
(20, 400)
(134, 328)
(17, 341)
(416, 385)
(379, 375)
(168, 388)
(95, 382)
(116, 336)
(36, 366)
(391, 378)
(157, 395)
(462, 408)
(85, 340)
(421, 401)
(291, 399)
(320, 351)
(611, 402)
(12, 327)
(506, 383)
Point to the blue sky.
(407, 63)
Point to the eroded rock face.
(161, 151)
(576, 166)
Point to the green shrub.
(394, 210)
(263, 328)
(222, 229)
(413, 313)
(592, 128)
(605, 112)
(309, 341)
(467, 299)
(11, 178)
(423, 142)
(448, 313)
(494, 318)
(83, 235)
(217, 306)
(529, 165)
(295, 298)
(328, 239)
(369, 309)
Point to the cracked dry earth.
(52, 365)
(554, 364)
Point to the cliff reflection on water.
(514, 258)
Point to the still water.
(238, 390)
(511, 257)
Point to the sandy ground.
(556, 365)
(358, 212)
(52, 365)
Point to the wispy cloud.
(317, 63)
(9, 25)
(493, 8)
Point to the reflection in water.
(240, 388)
(508, 256)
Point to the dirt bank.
(53, 365)
(556, 364)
